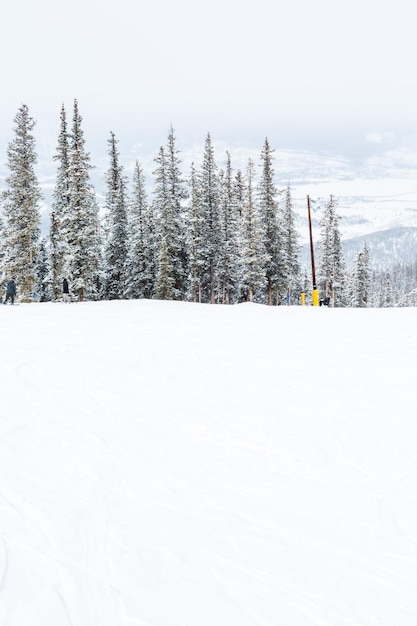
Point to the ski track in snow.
(153, 476)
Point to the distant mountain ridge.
(387, 247)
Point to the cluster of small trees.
(394, 286)
(217, 235)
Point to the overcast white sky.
(317, 75)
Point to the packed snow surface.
(176, 464)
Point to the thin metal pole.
(315, 293)
(313, 267)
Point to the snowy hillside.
(365, 206)
(386, 247)
(174, 464)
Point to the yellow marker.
(315, 295)
(303, 298)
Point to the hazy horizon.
(322, 77)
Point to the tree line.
(215, 235)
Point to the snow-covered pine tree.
(386, 291)
(332, 271)
(60, 221)
(362, 278)
(174, 229)
(140, 277)
(161, 208)
(169, 193)
(43, 287)
(268, 207)
(20, 202)
(84, 229)
(290, 248)
(194, 238)
(229, 252)
(116, 248)
(212, 234)
(164, 280)
(239, 191)
(254, 255)
(2, 234)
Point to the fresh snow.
(176, 464)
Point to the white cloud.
(380, 138)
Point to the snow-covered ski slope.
(176, 464)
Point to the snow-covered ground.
(174, 464)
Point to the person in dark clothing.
(10, 291)
(65, 291)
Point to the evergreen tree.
(254, 255)
(162, 211)
(141, 261)
(331, 262)
(386, 296)
(168, 196)
(116, 249)
(229, 252)
(290, 247)
(268, 206)
(362, 278)
(60, 221)
(83, 231)
(2, 235)
(164, 280)
(239, 193)
(174, 226)
(210, 213)
(21, 207)
(43, 287)
(195, 239)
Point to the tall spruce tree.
(174, 231)
(332, 270)
(164, 280)
(169, 193)
(254, 255)
(229, 252)
(60, 221)
(20, 202)
(210, 212)
(290, 248)
(2, 234)
(43, 287)
(195, 239)
(141, 254)
(116, 249)
(161, 207)
(84, 229)
(362, 278)
(239, 191)
(268, 206)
